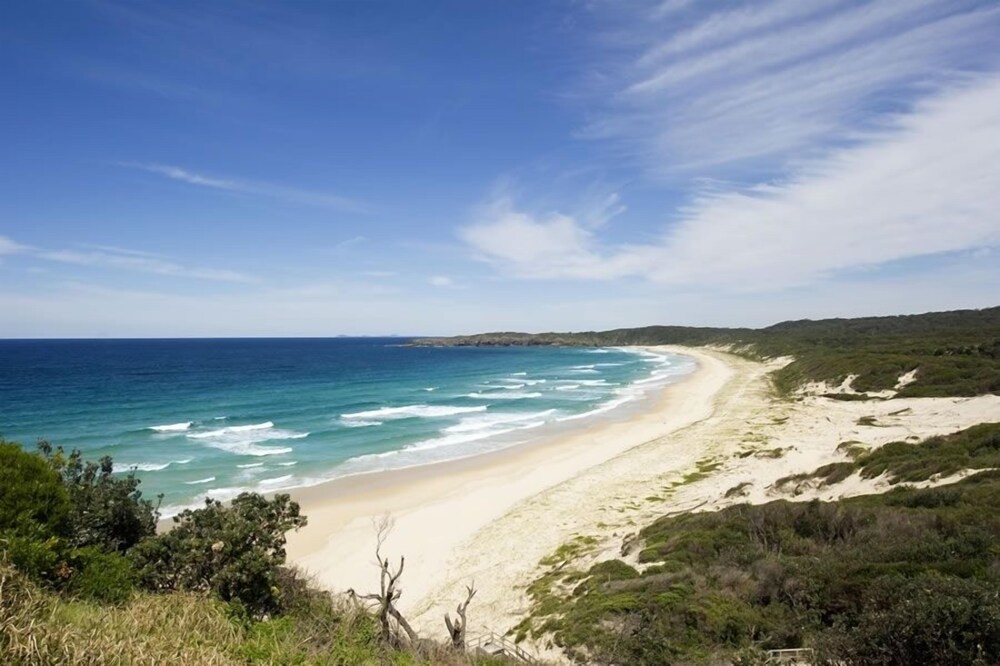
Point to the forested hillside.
(953, 353)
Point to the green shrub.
(727, 583)
(39, 559)
(33, 501)
(926, 620)
(106, 510)
(234, 551)
(101, 576)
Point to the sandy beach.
(491, 518)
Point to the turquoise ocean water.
(211, 418)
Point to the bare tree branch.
(389, 593)
(457, 629)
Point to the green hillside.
(954, 353)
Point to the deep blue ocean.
(215, 417)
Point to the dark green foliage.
(872, 580)
(954, 353)
(39, 559)
(977, 447)
(929, 619)
(107, 510)
(99, 575)
(70, 521)
(234, 551)
(33, 502)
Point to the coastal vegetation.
(953, 353)
(86, 579)
(909, 576)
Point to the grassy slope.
(41, 627)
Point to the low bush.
(101, 576)
(33, 501)
(105, 510)
(878, 579)
(234, 551)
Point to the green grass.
(38, 626)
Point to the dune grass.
(905, 577)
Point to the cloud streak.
(734, 91)
(142, 263)
(8, 246)
(254, 188)
(924, 184)
(105, 256)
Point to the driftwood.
(387, 596)
(456, 629)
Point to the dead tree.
(456, 629)
(387, 596)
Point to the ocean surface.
(198, 418)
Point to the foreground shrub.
(105, 510)
(33, 501)
(37, 558)
(101, 576)
(234, 551)
(927, 620)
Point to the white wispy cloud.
(8, 246)
(139, 261)
(255, 188)
(772, 81)
(441, 281)
(923, 184)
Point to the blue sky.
(321, 168)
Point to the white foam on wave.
(275, 481)
(249, 465)
(655, 377)
(431, 388)
(223, 494)
(604, 407)
(208, 479)
(411, 412)
(358, 423)
(491, 421)
(467, 437)
(244, 439)
(147, 467)
(289, 464)
(231, 430)
(589, 366)
(503, 395)
(597, 351)
(172, 427)
(568, 387)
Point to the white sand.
(493, 517)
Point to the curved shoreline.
(438, 507)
